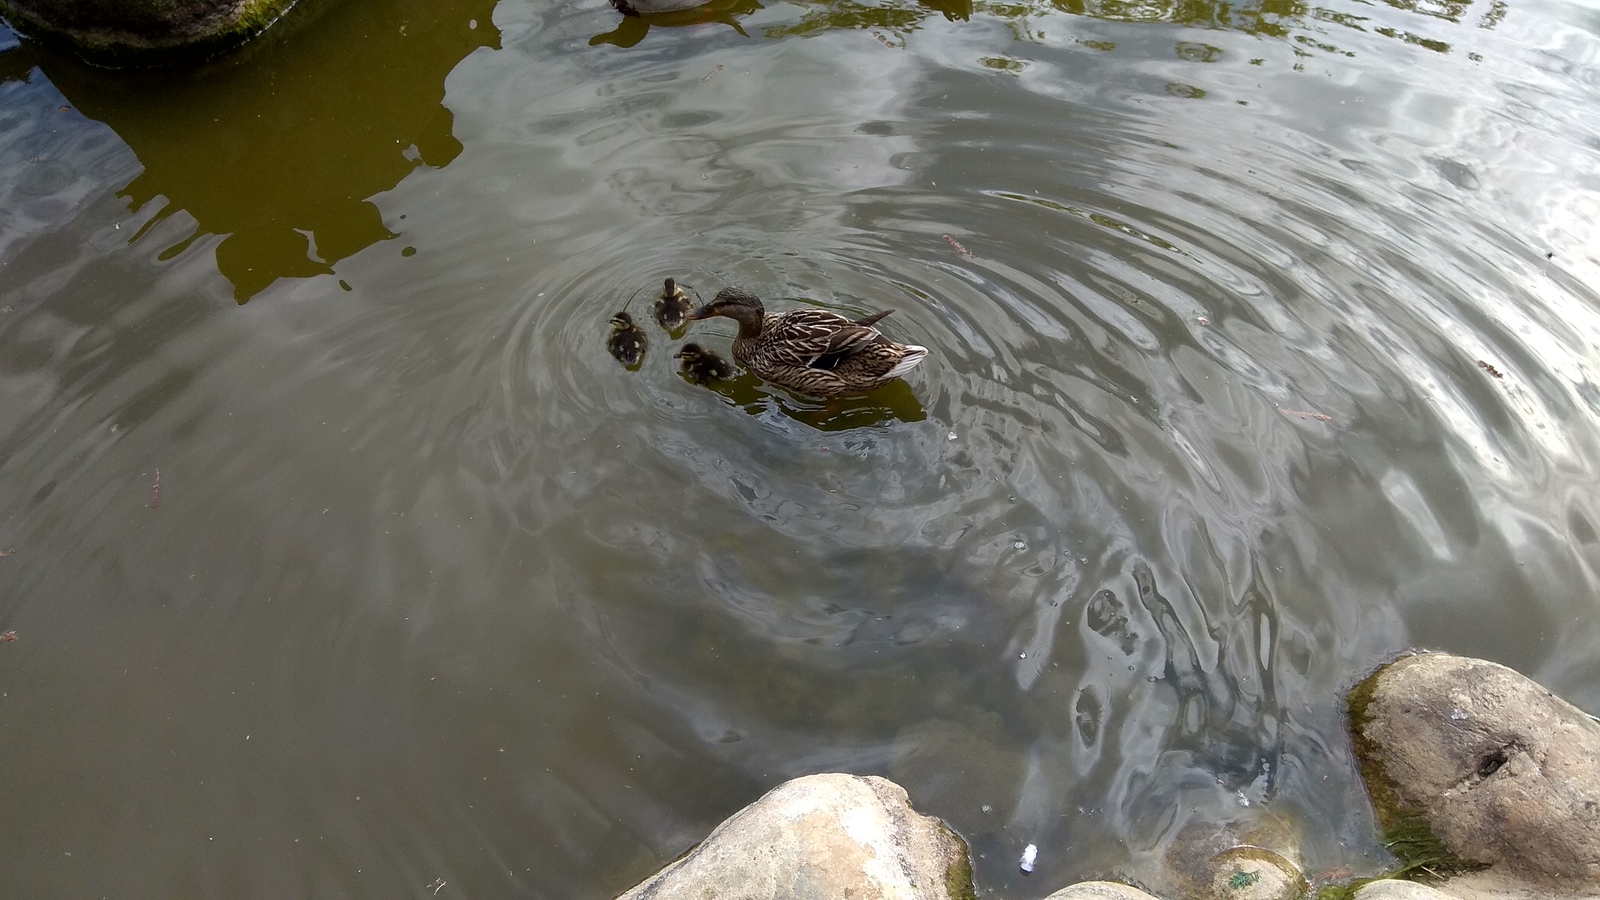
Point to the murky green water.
(1264, 345)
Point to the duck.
(672, 306)
(812, 351)
(627, 341)
(701, 366)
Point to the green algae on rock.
(143, 32)
(1482, 769)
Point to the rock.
(1399, 890)
(822, 836)
(1254, 873)
(119, 32)
(1254, 858)
(1099, 890)
(1471, 763)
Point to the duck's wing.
(873, 319)
(812, 338)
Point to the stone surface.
(1255, 857)
(821, 836)
(1099, 890)
(1253, 873)
(1501, 771)
(133, 32)
(1399, 890)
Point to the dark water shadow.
(633, 27)
(279, 148)
(1312, 28)
(894, 402)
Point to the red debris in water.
(957, 244)
(1490, 369)
(8, 637)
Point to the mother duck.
(811, 351)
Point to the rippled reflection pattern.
(1263, 346)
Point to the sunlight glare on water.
(1264, 346)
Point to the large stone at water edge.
(821, 836)
(1399, 890)
(1502, 772)
(139, 32)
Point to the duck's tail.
(914, 355)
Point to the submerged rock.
(1254, 873)
(118, 32)
(822, 836)
(1254, 858)
(1471, 765)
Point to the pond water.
(343, 560)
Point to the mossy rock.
(121, 33)
(1406, 834)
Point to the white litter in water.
(1029, 854)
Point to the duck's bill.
(703, 312)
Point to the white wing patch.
(914, 355)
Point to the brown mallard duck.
(672, 305)
(812, 351)
(701, 366)
(627, 341)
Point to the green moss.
(1406, 834)
(958, 875)
(1342, 891)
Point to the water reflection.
(1204, 435)
(281, 150)
(894, 402)
(1289, 19)
(634, 26)
(16, 64)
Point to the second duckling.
(627, 341)
(701, 366)
(672, 306)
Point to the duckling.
(701, 366)
(627, 341)
(812, 351)
(672, 306)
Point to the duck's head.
(733, 302)
(671, 290)
(691, 353)
(621, 321)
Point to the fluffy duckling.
(672, 306)
(701, 366)
(812, 351)
(627, 341)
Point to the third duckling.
(627, 341)
(701, 366)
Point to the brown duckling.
(812, 351)
(627, 341)
(701, 366)
(672, 306)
